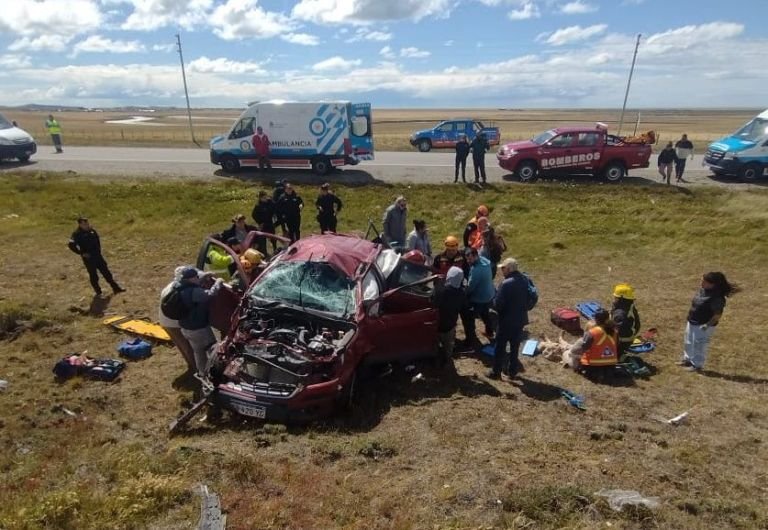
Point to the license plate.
(254, 411)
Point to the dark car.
(323, 308)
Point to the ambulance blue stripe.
(330, 143)
(322, 110)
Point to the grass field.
(452, 452)
(392, 127)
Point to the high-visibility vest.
(602, 351)
(53, 127)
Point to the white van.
(318, 135)
(15, 142)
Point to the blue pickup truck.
(446, 133)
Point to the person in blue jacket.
(511, 303)
(480, 292)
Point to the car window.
(543, 137)
(309, 284)
(461, 127)
(563, 140)
(408, 273)
(243, 128)
(588, 139)
(446, 127)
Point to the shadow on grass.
(735, 378)
(349, 177)
(536, 389)
(99, 305)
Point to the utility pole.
(186, 92)
(629, 82)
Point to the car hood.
(518, 146)
(731, 143)
(14, 134)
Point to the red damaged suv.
(323, 308)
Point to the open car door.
(268, 244)
(222, 262)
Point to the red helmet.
(415, 256)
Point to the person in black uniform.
(479, 146)
(289, 212)
(85, 242)
(462, 152)
(277, 194)
(328, 205)
(263, 214)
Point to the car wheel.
(425, 146)
(527, 171)
(750, 172)
(614, 172)
(230, 164)
(23, 158)
(321, 166)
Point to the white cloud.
(387, 52)
(411, 52)
(335, 64)
(149, 15)
(54, 43)
(364, 34)
(367, 11)
(524, 12)
(12, 61)
(170, 47)
(222, 65)
(303, 39)
(448, 43)
(690, 36)
(240, 19)
(577, 7)
(572, 34)
(48, 24)
(99, 44)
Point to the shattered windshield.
(308, 284)
(754, 130)
(543, 137)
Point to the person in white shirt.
(683, 149)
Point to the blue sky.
(392, 53)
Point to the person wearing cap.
(239, 229)
(624, 314)
(328, 206)
(252, 262)
(450, 257)
(479, 147)
(462, 152)
(418, 239)
(195, 324)
(395, 219)
(173, 328)
(86, 243)
(449, 300)
(480, 293)
(482, 211)
(289, 211)
(261, 145)
(511, 304)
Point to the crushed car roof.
(345, 253)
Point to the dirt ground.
(452, 451)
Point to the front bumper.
(18, 150)
(507, 162)
(721, 165)
(215, 157)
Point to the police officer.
(289, 211)
(328, 205)
(479, 146)
(85, 242)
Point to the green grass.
(452, 452)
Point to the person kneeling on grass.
(597, 347)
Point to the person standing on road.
(462, 152)
(667, 159)
(480, 293)
(173, 328)
(479, 147)
(54, 129)
(683, 149)
(195, 323)
(328, 207)
(263, 214)
(511, 303)
(395, 218)
(261, 145)
(289, 211)
(706, 310)
(449, 300)
(86, 243)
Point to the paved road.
(392, 167)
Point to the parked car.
(15, 142)
(324, 308)
(573, 150)
(447, 133)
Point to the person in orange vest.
(261, 145)
(598, 346)
(476, 237)
(482, 211)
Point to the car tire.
(23, 159)
(527, 171)
(750, 172)
(424, 146)
(230, 164)
(321, 165)
(614, 172)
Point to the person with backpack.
(511, 303)
(189, 302)
(172, 327)
(493, 248)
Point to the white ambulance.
(318, 135)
